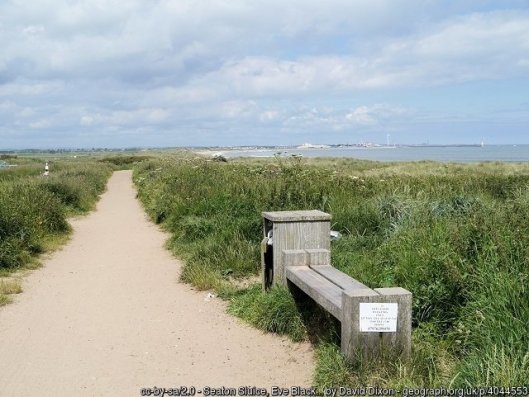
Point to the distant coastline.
(235, 147)
(465, 153)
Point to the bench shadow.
(321, 326)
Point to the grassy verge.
(34, 208)
(7, 288)
(456, 236)
(123, 162)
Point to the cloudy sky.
(108, 73)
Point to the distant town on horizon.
(306, 146)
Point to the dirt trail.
(106, 317)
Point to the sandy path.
(106, 317)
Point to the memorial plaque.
(378, 317)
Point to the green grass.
(332, 369)
(34, 208)
(8, 287)
(4, 300)
(123, 161)
(455, 235)
(275, 311)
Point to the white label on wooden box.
(378, 317)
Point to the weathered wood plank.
(294, 258)
(318, 256)
(356, 344)
(296, 236)
(399, 342)
(337, 277)
(318, 288)
(296, 216)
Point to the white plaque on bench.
(378, 317)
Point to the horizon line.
(136, 148)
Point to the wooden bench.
(323, 288)
(373, 321)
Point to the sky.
(165, 73)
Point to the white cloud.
(41, 124)
(162, 40)
(360, 118)
(269, 116)
(237, 109)
(87, 120)
(498, 42)
(361, 115)
(126, 118)
(33, 30)
(189, 65)
(31, 89)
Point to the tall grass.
(9, 287)
(273, 312)
(456, 236)
(123, 161)
(34, 208)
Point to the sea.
(460, 154)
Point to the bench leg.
(398, 342)
(356, 344)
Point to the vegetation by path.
(455, 235)
(34, 208)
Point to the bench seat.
(338, 277)
(324, 292)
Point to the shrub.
(33, 208)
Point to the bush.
(124, 162)
(34, 208)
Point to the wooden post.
(399, 342)
(296, 230)
(358, 342)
